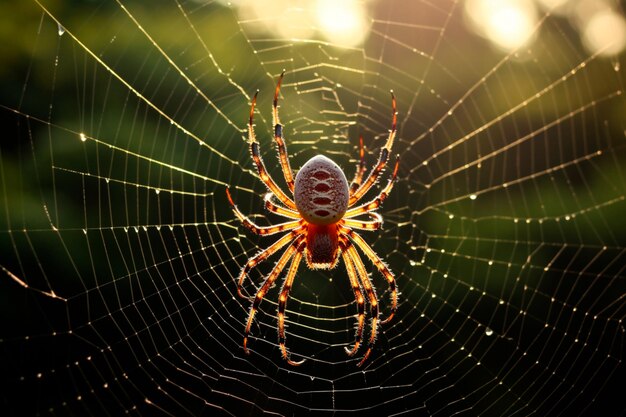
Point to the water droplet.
(472, 196)
(488, 332)
(83, 137)
(60, 29)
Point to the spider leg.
(267, 284)
(256, 157)
(263, 255)
(280, 210)
(360, 170)
(376, 202)
(371, 294)
(380, 265)
(282, 304)
(364, 224)
(278, 137)
(260, 230)
(358, 296)
(382, 159)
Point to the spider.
(322, 227)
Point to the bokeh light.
(511, 24)
(554, 6)
(508, 24)
(342, 22)
(605, 33)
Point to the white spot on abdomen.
(321, 191)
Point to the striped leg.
(375, 203)
(256, 157)
(382, 159)
(269, 281)
(371, 294)
(358, 296)
(360, 170)
(380, 265)
(364, 224)
(280, 210)
(260, 230)
(278, 138)
(263, 255)
(282, 304)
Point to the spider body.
(321, 191)
(322, 228)
(322, 245)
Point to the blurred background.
(124, 122)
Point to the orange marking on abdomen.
(322, 187)
(321, 175)
(323, 201)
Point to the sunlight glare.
(278, 17)
(342, 22)
(553, 5)
(297, 24)
(507, 23)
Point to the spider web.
(123, 124)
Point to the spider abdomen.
(321, 191)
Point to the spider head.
(321, 191)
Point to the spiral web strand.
(120, 256)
